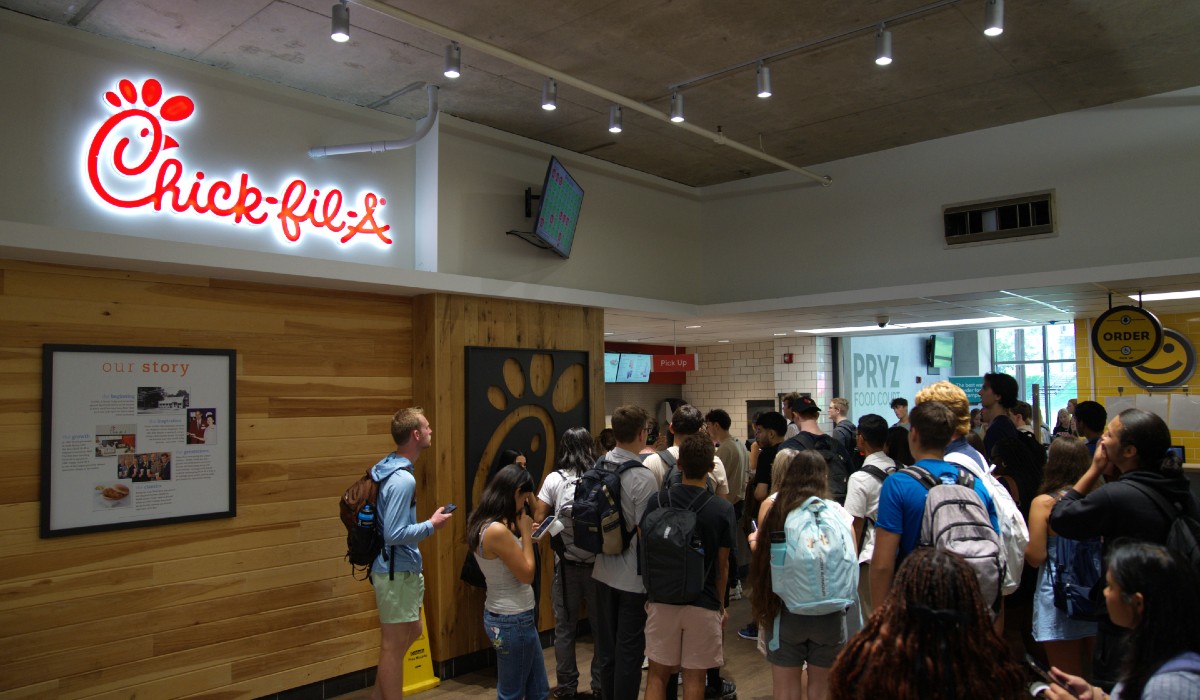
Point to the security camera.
(882, 320)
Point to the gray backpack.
(955, 520)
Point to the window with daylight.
(1042, 355)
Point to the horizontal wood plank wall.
(231, 608)
(444, 326)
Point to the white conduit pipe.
(381, 146)
(522, 62)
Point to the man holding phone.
(396, 574)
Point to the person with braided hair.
(931, 638)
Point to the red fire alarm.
(787, 358)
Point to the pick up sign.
(675, 363)
(1126, 336)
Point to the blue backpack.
(1075, 575)
(814, 571)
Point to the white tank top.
(505, 594)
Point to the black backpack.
(835, 457)
(672, 554)
(364, 536)
(674, 475)
(1183, 535)
(599, 524)
(846, 433)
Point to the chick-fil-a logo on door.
(134, 145)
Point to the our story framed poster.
(136, 436)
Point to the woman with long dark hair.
(1156, 594)
(897, 448)
(931, 638)
(573, 584)
(499, 533)
(804, 640)
(1068, 643)
(1134, 458)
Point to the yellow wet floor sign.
(418, 664)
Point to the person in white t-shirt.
(687, 420)
(573, 584)
(862, 496)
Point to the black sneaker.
(750, 632)
(725, 691)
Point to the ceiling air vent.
(1015, 217)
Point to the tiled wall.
(731, 374)
(811, 370)
(1113, 381)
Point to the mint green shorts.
(399, 600)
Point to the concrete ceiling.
(830, 101)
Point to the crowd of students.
(923, 621)
(908, 606)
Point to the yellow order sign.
(1126, 336)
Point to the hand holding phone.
(543, 527)
(1040, 671)
(450, 508)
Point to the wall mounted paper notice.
(1154, 403)
(1185, 413)
(1115, 404)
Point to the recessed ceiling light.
(722, 341)
(919, 324)
(1166, 296)
(778, 334)
(691, 326)
(608, 333)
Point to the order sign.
(1126, 336)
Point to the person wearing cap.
(805, 413)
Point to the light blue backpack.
(815, 569)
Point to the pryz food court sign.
(133, 164)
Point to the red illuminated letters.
(141, 175)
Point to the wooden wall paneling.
(238, 607)
(444, 325)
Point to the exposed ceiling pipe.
(423, 128)
(607, 95)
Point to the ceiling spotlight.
(763, 73)
(550, 95)
(883, 46)
(614, 119)
(676, 107)
(453, 60)
(341, 22)
(993, 17)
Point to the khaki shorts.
(684, 635)
(399, 600)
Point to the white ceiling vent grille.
(1014, 217)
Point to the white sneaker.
(735, 593)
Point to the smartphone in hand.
(1038, 670)
(545, 525)
(450, 508)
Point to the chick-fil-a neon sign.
(141, 175)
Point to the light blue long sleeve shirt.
(396, 508)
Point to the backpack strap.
(964, 478)
(922, 476)
(1171, 510)
(667, 458)
(875, 472)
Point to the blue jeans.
(520, 667)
